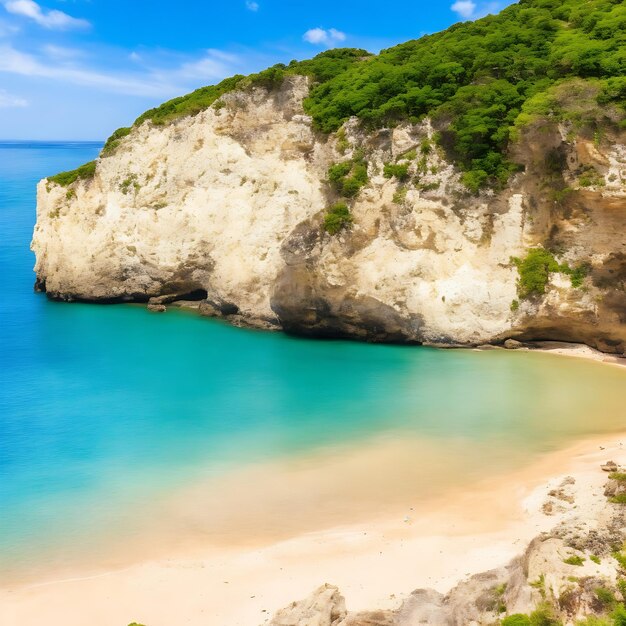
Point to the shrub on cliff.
(396, 170)
(535, 269)
(518, 619)
(534, 272)
(337, 217)
(114, 140)
(349, 176)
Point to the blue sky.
(79, 69)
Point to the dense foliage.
(480, 81)
(476, 77)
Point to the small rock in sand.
(609, 466)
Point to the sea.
(110, 413)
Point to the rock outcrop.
(226, 207)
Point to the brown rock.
(156, 308)
(324, 607)
(609, 466)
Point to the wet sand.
(431, 543)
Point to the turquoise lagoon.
(107, 412)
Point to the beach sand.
(578, 350)
(436, 544)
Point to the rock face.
(227, 207)
(324, 607)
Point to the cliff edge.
(248, 209)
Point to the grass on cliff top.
(322, 68)
(479, 81)
(67, 178)
(114, 140)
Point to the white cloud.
(15, 62)
(52, 19)
(252, 6)
(150, 82)
(321, 36)
(215, 64)
(7, 100)
(465, 8)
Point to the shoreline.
(575, 350)
(374, 564)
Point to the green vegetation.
(337, 217)
(477, 76)
(429, 186)
(411, 155)
(574, 560)
(128, 183)
(540, 584)
(517, 619)
(343, 145)
(619, 476)
(397, 170)
(480, 81)
(595, 559)
(191, 104)
(114, 140)
(591, 177)
(606, 597)
(499, 592)
(619, 615)
(534, 272)
(349, 176)
(542, 616)
(620, 557)
(577, 275)
(80, 173)
(400, 195)
(535, 269)
(322, 68)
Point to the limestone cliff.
(227, 207)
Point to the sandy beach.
(373, 563)
(579, 350)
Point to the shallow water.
(108, 412)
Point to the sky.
(79, 69)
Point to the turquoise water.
(105, 408)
